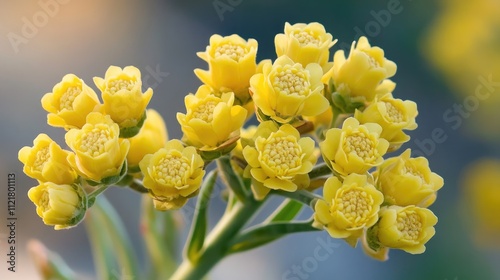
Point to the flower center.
(361, 145)
(204, 111)
(42, 156)
(305, 38)
(410, 225)
(235, 52)
(44, 201)
(408, 169)
(93, 142)
(282, 154)
(171, 170)
(355, 204)
(393, 113)
(66, 101)
(290, 80)
(115, 86)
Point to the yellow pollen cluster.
(410, 225)
(42, 156)
(66, 101)
(235, 52)
(290, 80)
(393, 113)
(44, 201)
(115, 86)
(355, 204)
(410, 170)
(171, 170)
(204, 111)
(306, 38)
(373, 63)
(93, 142)
(361, 145)
(282, 154)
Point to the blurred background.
(448, 57)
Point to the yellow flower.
(305, 43)
(280, 159)
(246, 138)
(406, 228)
(99, 153)
(210, 120)
(70, 102)
(394, 115)
(348, 208)
(122, 95)
(407, 181)
(355, 148)
(172, 174)
(362, 72)
(231, 62)
(286, 90)
(152, 136)
(46, 161)
(62, 206)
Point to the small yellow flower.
(394, 115)
(99, 153)
(172, 174)
(231, 61)
(122, 95)
(286, 90)
(246, 138)
(62, 206)
(406, 228)
(69, 103)
(355, 148)
(210, 120)
(362, 72)
(152, 136)
(280, 159)
(305, 43)
(348, 208)
(46, 161)
(407, 181)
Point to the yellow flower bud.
(210, 120)
(280, 159)
(98, 152)
(62, 206)
(305, 43)
(349, 207)
(393, 115)
(46, 161)
(362, 72)
(172, 174)
(407, 181)
(122, 95)
(286, 90)
(152, 136)
(406, 228)
(69, 103)
(355, 148)
(231, 62)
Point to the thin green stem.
(137, 186)
(320, 170)
(231, 179)
(303, 196)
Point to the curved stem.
(303, 196)
(320, 170)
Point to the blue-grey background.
(85, 37)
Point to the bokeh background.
(444, 49)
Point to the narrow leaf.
(232, 180)
(286, 212)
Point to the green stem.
(217, 243)
(231, 179)
(303, 196)
(320, 170)
(137, 186)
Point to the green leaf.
(286, 212)
(127, 132)
(49, 264)
(199, 226)
(230, 178)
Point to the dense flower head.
(362, 72)
(122, 95)
(305, 43)
(172, 174)
(407, 181)
(354, 148)
(280, 159)
(286, 90)
(98, 151)
(69, 103)
(210, 120)
(231, 61)
(348, 207)
(46, 161)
